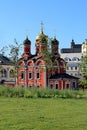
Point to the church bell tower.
(41, 42)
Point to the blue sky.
(67, 18)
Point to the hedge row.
(40, 93)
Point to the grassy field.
(43, 114)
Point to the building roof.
(27, 41)
(4, 60)
(62, 76)
(75, 48)
(55, 41)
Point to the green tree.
(47, 54)
(83, 68)
(14, 56)
(4, 50)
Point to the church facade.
(44, 68)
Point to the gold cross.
(42, 27)
(54, 33)
(27, 33)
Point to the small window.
(30, 75)
(51, 85)
(38, 75)
(75, 67)
(67, 86)
(56, 86)
(22, 75)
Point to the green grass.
(43, 114)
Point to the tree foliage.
(83, 68)
(14, 55)
(4, 50)
(48, 55)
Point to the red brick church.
(33, 70)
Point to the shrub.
(40, 93)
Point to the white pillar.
(45, 78)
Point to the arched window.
(51, 84)
(56, 86)
(30, 75)
(38, 75)
(11, 73)
(3, 73)
(67, 59)
(75, 59)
